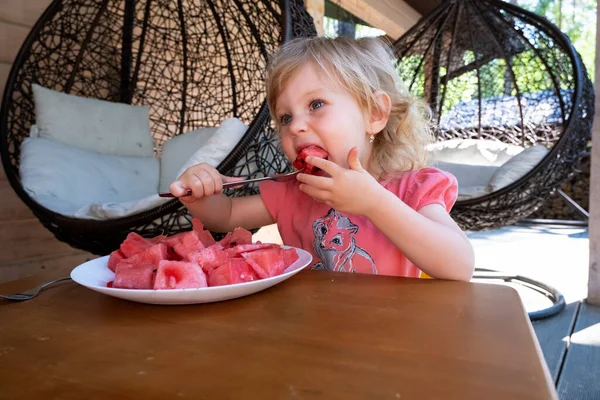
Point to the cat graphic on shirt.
(335, 244)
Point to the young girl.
(374, 207)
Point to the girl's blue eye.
(316, 104)
(286, 119)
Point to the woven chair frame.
(194, 63)
(483, 48)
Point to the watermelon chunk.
(204, 235)
(158, 239)
(235, 270)
(289, 256)
(128, 276)
(179, 275)
(267, 262)
(236, 251)
(209, 258)
(115, 258)
(171, 242)
(241, 236)
(134, 244)
(186, 243)
(238, 236)
(151, 256)
(311, 150)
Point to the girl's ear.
(380, 113)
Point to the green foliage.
(529, 70)
(575, 18)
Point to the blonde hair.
(362, 67)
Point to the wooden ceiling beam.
(392, 16)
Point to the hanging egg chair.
(192, 63)
(511, 100)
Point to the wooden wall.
(26, 247)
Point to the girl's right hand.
(203, 179)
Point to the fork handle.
(64, 278)
(225, 185)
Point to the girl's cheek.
(288, 148)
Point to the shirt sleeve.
(432, 186)
(273, 195)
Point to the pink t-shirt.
(344, 242)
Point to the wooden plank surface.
(318, 335)
(56, 266)
(580, 377)
(4, 71)
(11, 39)
(594, 222)
(553, 335)
(27, 246)
(22, 12)
(13, 207)
(29, 240)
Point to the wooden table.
(318, 335)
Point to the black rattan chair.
(127, 51)
(527, 85)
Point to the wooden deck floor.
(557, 256)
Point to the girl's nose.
(298, 126)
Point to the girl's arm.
(220, 213)
(429, 238)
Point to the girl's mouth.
(312, 150)
(303, 146)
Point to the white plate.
(95, 275)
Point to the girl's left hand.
(353, 190)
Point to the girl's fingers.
(321, 182)
(353, 159)
(315, 193)
(321, 163)
(187, 199)
(217, 180)
(197, 186)
(233, 179)
(208, 182)
(178, 189)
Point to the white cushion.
(472, 161)
(214, 150)
(177, 150)
(473, 151)
(94, 125)
(469, 175)
(472, 179)
(73, 181)
(471, 192)
(517, 166)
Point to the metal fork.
(31, 293)
(277, 178)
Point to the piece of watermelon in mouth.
(312, 150)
